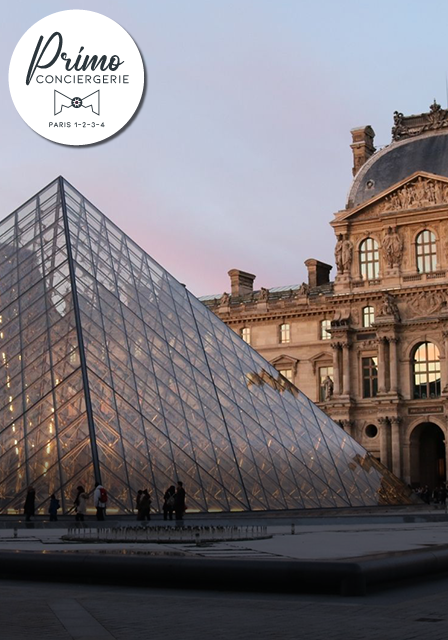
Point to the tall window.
(286, 373)
(369, 259)
(285, 333)
(426, 252)
(245, 334)
(368, 316)
(369, 377)
(426, 371)
(325, 330)
(323, 373)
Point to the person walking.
(29, 506)
(137, 502)
(179, 502)
(168, 502)
(144, 510)
(53, 508)
(100, 501)
(80, 503)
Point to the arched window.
(426, 364)
(325, 330)
(368, 316)
(426, 252)
(369, 259)
(285, 333)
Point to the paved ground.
(63, 612)
(309, 542)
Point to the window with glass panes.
(426, 371)
(323, 373)
(245, 334)
(426, 252)
(368, 316)
(369, 258)
(369, 377)
(325, 327)
(286, 373)
(285, 333)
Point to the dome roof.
(426, 152)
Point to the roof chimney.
(318, 272)
(241, 283)
(362, 146)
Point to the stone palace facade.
(371, 347)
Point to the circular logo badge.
(76, 77)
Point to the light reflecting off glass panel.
(426, 251)
(369, 259)
(287, 373)
(368, 316)
(325, 330)
(426, 372)
(285, 333)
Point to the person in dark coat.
(137, 502)
(53, 508)
(179, 502)
(29, 506)
(144, 508)
(169, 502)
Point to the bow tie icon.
(92, 100)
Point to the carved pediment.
(417, 192)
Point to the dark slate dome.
(426, 152)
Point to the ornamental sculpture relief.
(425, 304)
(389, 307)
(343, 254)
(392, 248)
(422, 192)
(409, 126)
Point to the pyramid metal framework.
(111, 370)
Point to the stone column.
(381, 366)
(336, 374)
(347, 426)
(384, 441)
(396, 448)
(445, 368)
(393, 363)
(346, 368)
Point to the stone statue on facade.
(224, 300)
(338, 253)
(392, 248)
(303, 290)
(264, 294)
(389, 307)
(347, 255)
(328, 387)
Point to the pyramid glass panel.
(112, 371)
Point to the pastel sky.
(240, 154)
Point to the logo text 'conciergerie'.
(50, 53)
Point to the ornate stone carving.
(224, 300)
(303, 290)
(343, 254)
(425, 304)
(409, 126)
(328, 387)
(264, 294)
(421, 192)
(392, 248)
(389, 307)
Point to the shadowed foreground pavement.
(30, 611)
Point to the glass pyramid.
(111, 370)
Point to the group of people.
(435, 496)
(173, 503)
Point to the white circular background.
(99, 36)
